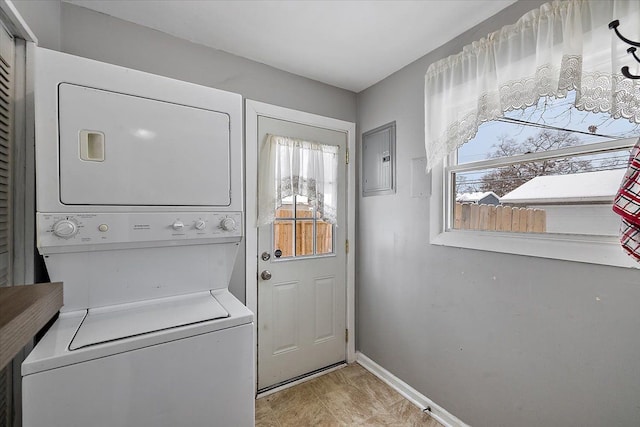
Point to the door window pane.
(324, 238)
(304, 238)
(283, 238)
(286, 210)
(304, 209)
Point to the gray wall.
(83, 32)
(497, 340)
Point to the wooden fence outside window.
(471, 216)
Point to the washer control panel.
(94, 229)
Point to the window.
(546, 169)
(531, 122)
(300, 231)
(297, 194)
(546, 172)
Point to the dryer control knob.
(200, 225)
(178, 225)
(228, 224)
(65, 228)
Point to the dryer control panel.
(136, 229)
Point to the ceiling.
(348, 44)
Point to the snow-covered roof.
(599, 186)
(475, 196)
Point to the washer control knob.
(228, 224)
(65, 228)
(178, 225)
(200, 225)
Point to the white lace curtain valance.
(290, 166)
(560, 47)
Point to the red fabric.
(630, 239)
(627, 205)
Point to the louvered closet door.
(6, 135)
(6, 120)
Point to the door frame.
(253, 110)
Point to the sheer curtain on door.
(289, 167)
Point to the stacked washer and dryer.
(139, 200)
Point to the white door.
(302, 274)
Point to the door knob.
(266, 275)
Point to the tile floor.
(350, 396)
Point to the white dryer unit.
(139, 199)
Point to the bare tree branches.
(505, 179)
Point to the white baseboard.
(411, 394)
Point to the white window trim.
(581, 248)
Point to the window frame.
(603, 250)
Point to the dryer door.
(118, 149)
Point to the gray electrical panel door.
(378, 160)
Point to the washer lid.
(112, 323)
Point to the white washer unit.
(139, 199)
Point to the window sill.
(587, 249)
